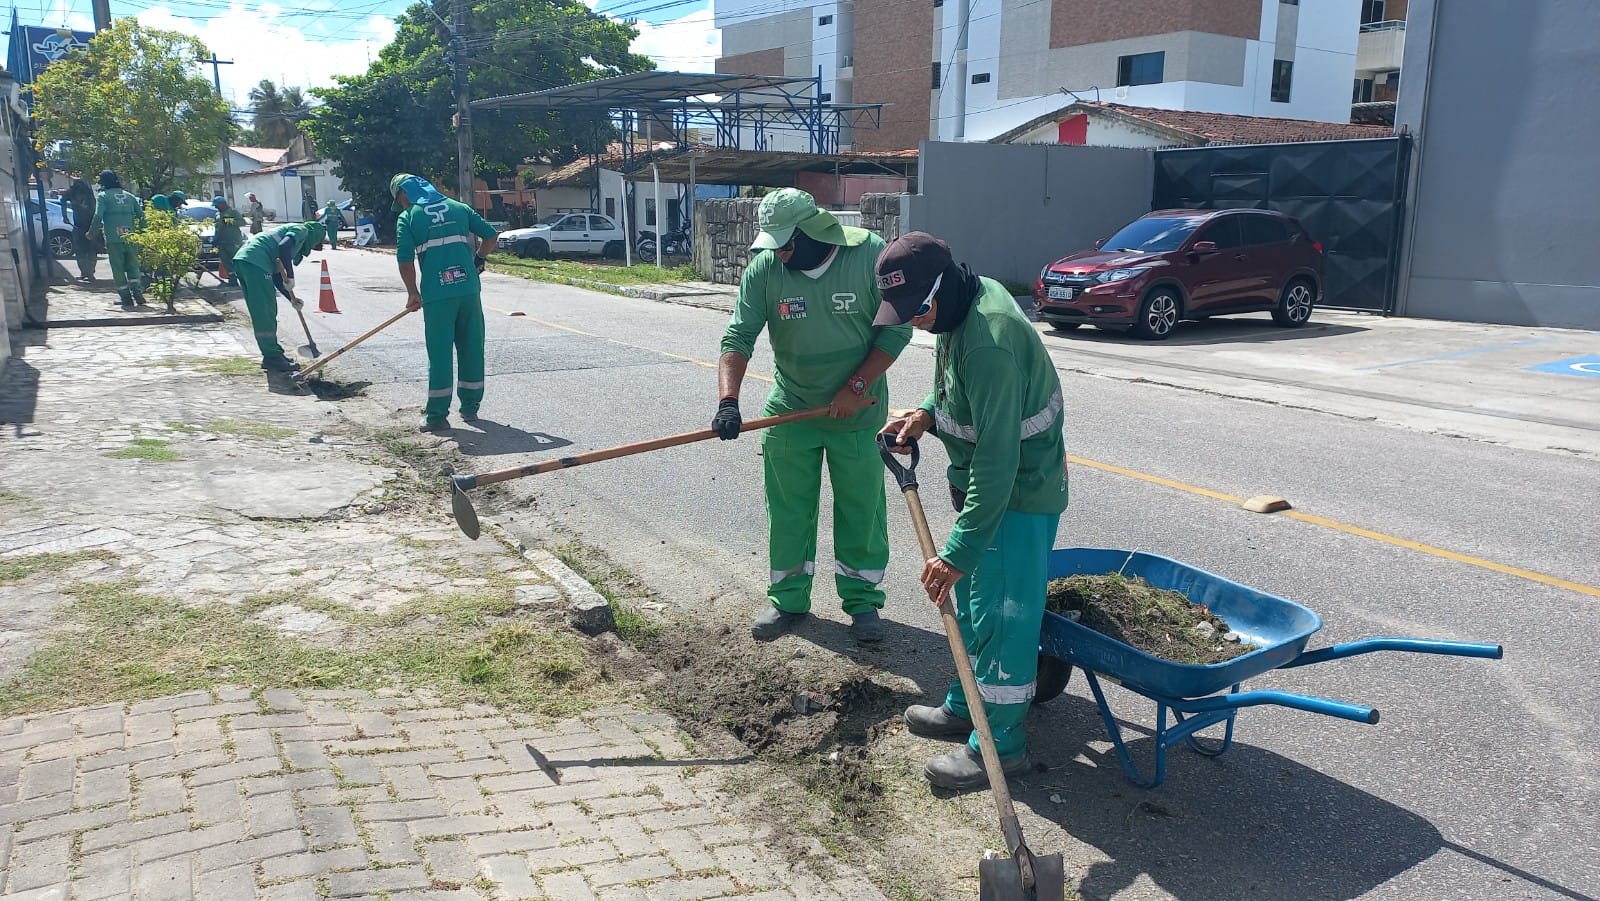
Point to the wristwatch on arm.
(857, 385)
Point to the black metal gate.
(1348, 194)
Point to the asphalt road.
(1481, 780)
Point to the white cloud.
(292, 50)
(688, 44)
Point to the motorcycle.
(673, 243)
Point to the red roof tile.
(1226, 128)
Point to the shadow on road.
(487, 438)
(1214, 331)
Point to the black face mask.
(956, 294)
(808, 252)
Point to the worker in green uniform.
(438, 232)
(331, 220)
(160, 202)
(812, 288)
(178, 199)
(228, 238)
(267, 262)
(116, 215)
(993, 383)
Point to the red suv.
(1186, 264)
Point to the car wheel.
(534, 249)
(61, 245)
(1295, 304)
(1064, 326)
(612, 250)
(1157, 315)
(1052, 679)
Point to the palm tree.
(277, 114)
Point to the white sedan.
(587, 234)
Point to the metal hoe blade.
(308, 351)
(461, 509)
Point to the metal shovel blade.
(309, 351)
(461, 509)
(999, 879)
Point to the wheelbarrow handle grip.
(1411, 645)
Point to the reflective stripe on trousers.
(807, 568)
(869, 576)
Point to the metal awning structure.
(741, 109)
(729, 166)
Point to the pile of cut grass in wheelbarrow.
(1158, 621)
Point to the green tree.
(398, 116)
(134, 101)
(277, 114)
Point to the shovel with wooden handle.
(304, 373)
(467, 518)
(1026, 876)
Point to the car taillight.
(1317, 246)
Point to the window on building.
(824, 97)
(1282, 78)
(1362, 92)
(650, 211)
(825, 20)
(611, 207)
(1371, 11)
(936, 68)
(1141, 68)
(1290, 2)
(981, 78)
(937, 3)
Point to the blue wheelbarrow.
(1192, 697)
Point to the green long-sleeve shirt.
(820, 328)
(118, 213)
(997, 407)
(439, 235)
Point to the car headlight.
(1119, 275)
(1044, 272)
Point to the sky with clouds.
(309, 43)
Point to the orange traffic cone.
(325, 303)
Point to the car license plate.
(1061, 293)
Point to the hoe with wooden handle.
(467, 517)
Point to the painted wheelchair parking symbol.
(1583, 366)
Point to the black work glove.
(480, 262)
(727, 421)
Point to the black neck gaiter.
(808, 252)
(956, 294)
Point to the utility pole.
(464, 167)
(216, 79)
(102, 15)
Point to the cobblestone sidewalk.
(163, 452)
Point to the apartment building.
(1380, 49)
(967, 70)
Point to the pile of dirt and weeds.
(1158, 621)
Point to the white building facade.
(967, 70)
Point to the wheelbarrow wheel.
(1053, 676)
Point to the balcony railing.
(1390, 25)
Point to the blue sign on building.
(34, 48)
(1589, 366)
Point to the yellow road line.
(1348, 529)
(1309, 518)
(578, 331)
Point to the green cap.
(787, 209)
(396, 182)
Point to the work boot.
(963, 770)
(936, 722)
(867, 627)
(127, 305)
(469, 415)
(279, 363)
(774, 622)
(139, 299)
(434, 426)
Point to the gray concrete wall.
(723, 230)
(1009, 210)
(881, 213)
(1504, 186)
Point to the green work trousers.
(125, 270)
(453, 328)
(1000, 606)
(227, 269)
(87, 251)
(792, 456)
(261, 299)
